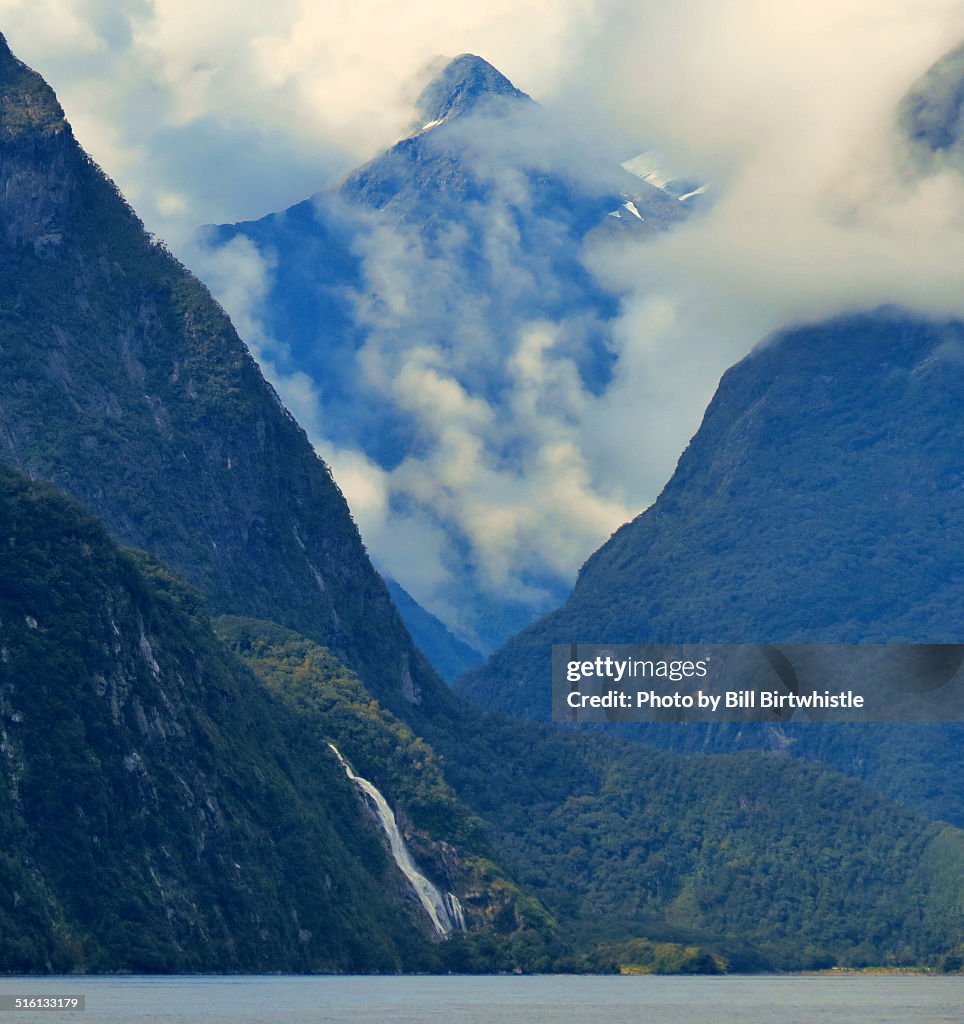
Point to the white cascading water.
(445, 911)
(456, 912)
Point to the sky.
(209, 112)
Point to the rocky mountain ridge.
(130, 389)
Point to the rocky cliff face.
(36, 148)
(127, 386)
(464, 83)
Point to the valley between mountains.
(190, 621)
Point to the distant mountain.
(128, 387)
(412, 285)
(469, 141)
(932, 113)
(465, 83)
(449, 655)
(817, 502)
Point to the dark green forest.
(766, 862)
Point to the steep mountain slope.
(127, 386)
(433, 278)
(159, 810)
(164, 810)
(819, 501)
(620, 842)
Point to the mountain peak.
(461, 85)
(27, 104)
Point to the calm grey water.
(464, 1000)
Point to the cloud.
(819, 207)
(720, 83)
(492, 498)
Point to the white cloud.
(818, 209)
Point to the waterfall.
(445, 911)
(455, 910)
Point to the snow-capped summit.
(456, 260)
(649, 167)
(461, 85)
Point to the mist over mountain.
(187, 764)
(496, 381)
(816, 503)
(432, 322)
(932, 112)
